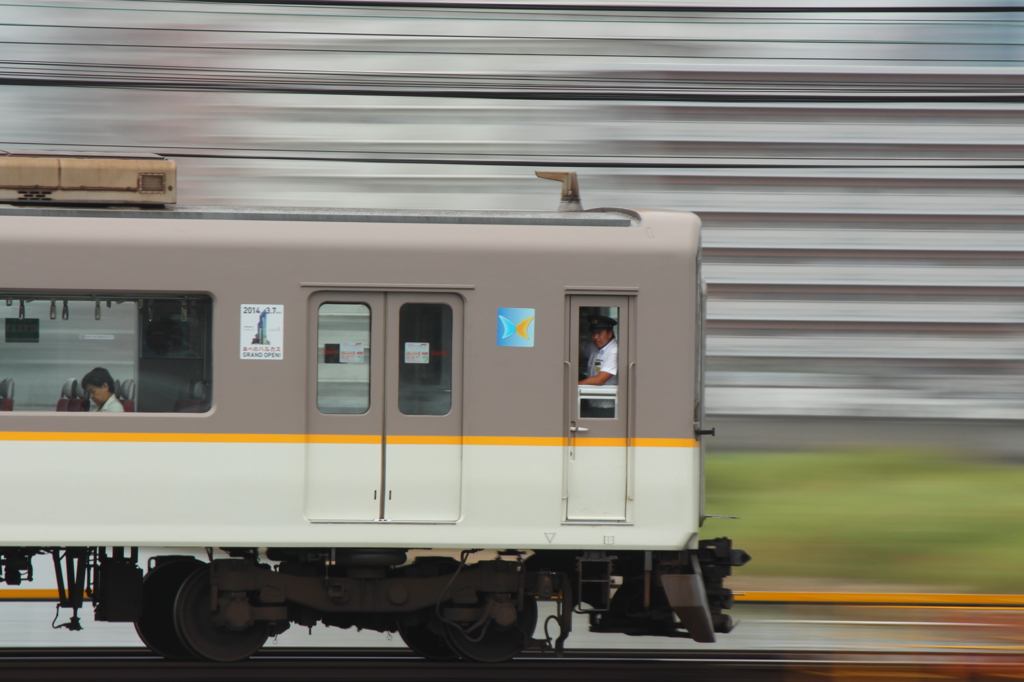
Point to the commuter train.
(376, 417)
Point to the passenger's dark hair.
(97, 378)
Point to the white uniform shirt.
(112, 405)
(603, 360)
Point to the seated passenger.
(602, 353)
(99, 386)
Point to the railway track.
(372, 665)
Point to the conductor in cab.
(602, 353)
(99, 386)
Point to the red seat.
(126, 394)
(7, 395)
(80, 402)
(68, 392)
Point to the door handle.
(579, 429)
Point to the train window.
(425, 365)
(156, 351)
(343, 358)
(175, 354)
(599, 362)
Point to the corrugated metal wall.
(859, 172)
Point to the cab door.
(598, 462)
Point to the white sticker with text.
(417, 353)
(350, 353)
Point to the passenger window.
(599, 363)
(343, 358)
(150, 354)
(175, 357)
(425, 366)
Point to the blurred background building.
(858, 170)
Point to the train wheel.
(427, 640)
(195, 625)
(159, 590)
(498, 643)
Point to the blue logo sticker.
(515, 327)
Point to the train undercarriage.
(444, 608)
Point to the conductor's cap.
(599, 323)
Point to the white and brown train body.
(320, 391)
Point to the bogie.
(492, 638)
(222, 635)
(159, 590)
(424, 634)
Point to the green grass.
(919, 519)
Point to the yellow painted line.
(922, 607)
(320, 438)
(424, 440)
(601, 442)
(982, 647)
(637, 442)
(299, 438)
(30, 595)
(885, 599)
(154, 437)
(665, 442)
(512, 440)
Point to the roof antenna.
(570, 189)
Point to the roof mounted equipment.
(570, 189)
(86, 178)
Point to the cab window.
(598, 362)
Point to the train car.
(414, 422)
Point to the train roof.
(103, 185)
(601, 217)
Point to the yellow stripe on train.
(274, 438)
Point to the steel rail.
(748, 596)
(585, 665)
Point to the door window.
(598, 391)
(343, 358)
(425, 365)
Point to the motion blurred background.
(858, 168)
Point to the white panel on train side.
(184, 494)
